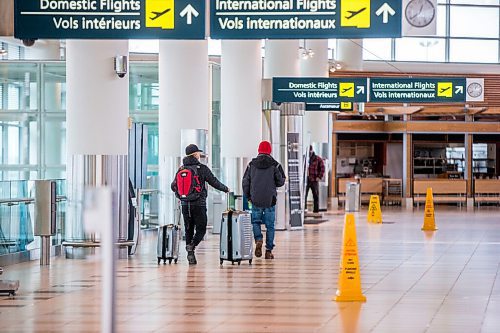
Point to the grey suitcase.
(168, 243)
(236, 237)
(8, 286)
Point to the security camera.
(29, 42)
(121, 66)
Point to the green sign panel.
(344, 91)
(418, 90)
(109, 19)
(260, 19)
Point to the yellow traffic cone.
(429, 219)
(374, 211)
(349, 289)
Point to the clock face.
(420, 13)
(474, 90)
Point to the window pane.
(377, 49)
(474, 2)
(441, 21)
(480, 51)
(473, 22)
(420, 49)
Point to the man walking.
(262, 176)
(189, 186)
(315, 173)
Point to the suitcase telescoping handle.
(231, 200)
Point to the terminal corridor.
(414, 281)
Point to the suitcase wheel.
(239, 263)
(250, 261)
(175, 261)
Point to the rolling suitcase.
(169, 239)
(236, 237)
(8, 286)
(168, 243)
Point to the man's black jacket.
(262, 176)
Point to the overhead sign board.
(109, 19)
(417, 90)
(259, 19)
(319, 90)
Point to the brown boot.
(269, 254)
(258, 248)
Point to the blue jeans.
(264, 216)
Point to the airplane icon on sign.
(444, 89)
(158, 14)
(354, 13)
(346, 89)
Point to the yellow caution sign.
(346, 89)
(160, 14)
(346, 106)
(349, 288)
(429, 220)
(355, 13)
(374, 211)
(445, 89)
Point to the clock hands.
(418, 13)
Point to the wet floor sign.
(429, 219)
(349, 285)
(374, 211)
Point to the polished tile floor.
(414, 281)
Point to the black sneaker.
(191, 258)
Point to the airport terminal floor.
(414, 281)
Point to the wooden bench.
(369, 186)
(443, 190)
(486, 191)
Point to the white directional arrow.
(360, 90)
(459, 90)
(385, 10)
(190, 12)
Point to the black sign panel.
(294, 180)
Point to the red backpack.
(188, 183)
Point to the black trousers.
(195, 219)
(314, 186)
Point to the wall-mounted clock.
(420, 13)
(474, 89)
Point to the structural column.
(407, 169)
(350, 54)
(315, 122)
(469, 172)
(97, 129)
(241, 107)
(184, 104)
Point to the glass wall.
(33, 137)
(467, 31)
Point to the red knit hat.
(265, 148)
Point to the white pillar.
(315, 122)
(241, 106)
(282, 58)
(184, 104)
(184, 84)
(350, 54)
(97, 99)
